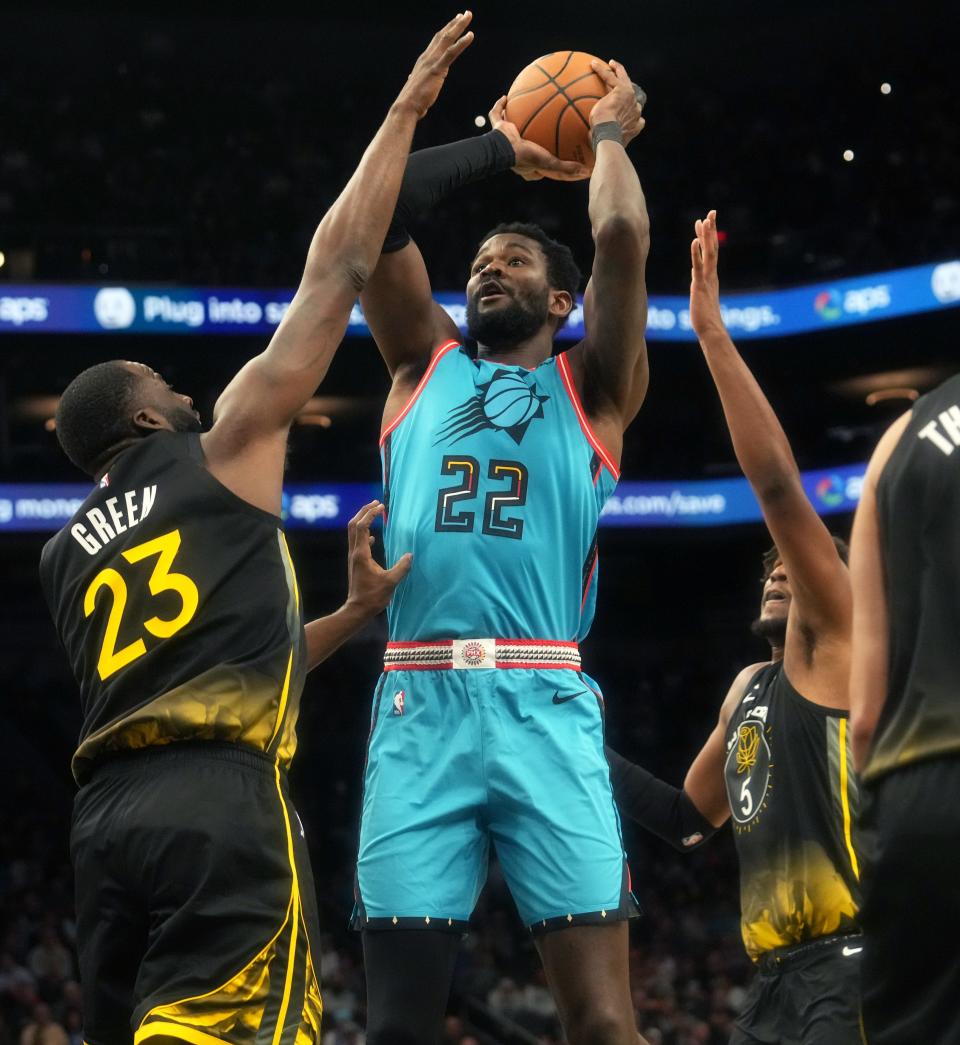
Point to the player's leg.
(825, 994)
(423, 857)
(588, 971)
(409, 972)
(760, 1020)
(557, 833)
(223, 865)
(111, 919)
(911, 906)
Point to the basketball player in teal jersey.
(495, 469)
(778, 761)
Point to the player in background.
(778, 760)
(173, 592)
(495, 470)
(905, 720)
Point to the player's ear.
(148, 417)
(561, 303)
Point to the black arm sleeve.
(664, 810)
(432, 174)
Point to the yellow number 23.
(161, 579)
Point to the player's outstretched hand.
(623, 101)
(370, 586)
(705, 316)
(424, 82)
(533, 161)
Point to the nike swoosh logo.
(557, 699)
(849, 951)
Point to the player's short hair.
(772, 556)
(94, 413)
(562, 271)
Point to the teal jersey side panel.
(493, 484)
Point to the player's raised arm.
(245, 448)
(614, 351)
(871, 623)
(397, 300)
(818, 578)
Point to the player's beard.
(182, 419)
(773, 629)
(513, 323)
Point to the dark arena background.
(181, 156)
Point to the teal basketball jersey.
(494, 480)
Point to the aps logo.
(828, 305)
(831, 490)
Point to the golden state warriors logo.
(508, 402)
(747, 771)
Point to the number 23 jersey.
(178, 607)
(494, 480)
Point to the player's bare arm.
(610, 364)
(398, 305)
(369, 589)
(869, 657)
(246, 446)
(684, 817)
(818, 629)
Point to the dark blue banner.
(40, 507)
(228, 310)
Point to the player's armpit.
(405, 321)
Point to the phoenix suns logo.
(506, 403)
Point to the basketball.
(550, 103)
(509, 401)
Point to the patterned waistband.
(474, 654)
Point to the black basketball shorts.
(196, 912)
(911, 905)
(808, 994)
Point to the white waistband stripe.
(474, 654)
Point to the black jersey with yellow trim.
(178, 606)
(793, 799)
(918, 501)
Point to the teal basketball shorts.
(467, 749)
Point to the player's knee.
(602, 1025)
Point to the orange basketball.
(550, 103)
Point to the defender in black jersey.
(778, 761)
(905, 719)
(174, 594)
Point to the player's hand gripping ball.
(551, 104)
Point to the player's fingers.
(549, 162)
(400, 569)
(354, 524)
(455, 27)
(620, 72)
(604, 71)
(696, 261)
(711, 244)
(498, 112)
(360, 523)
(456, 49)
